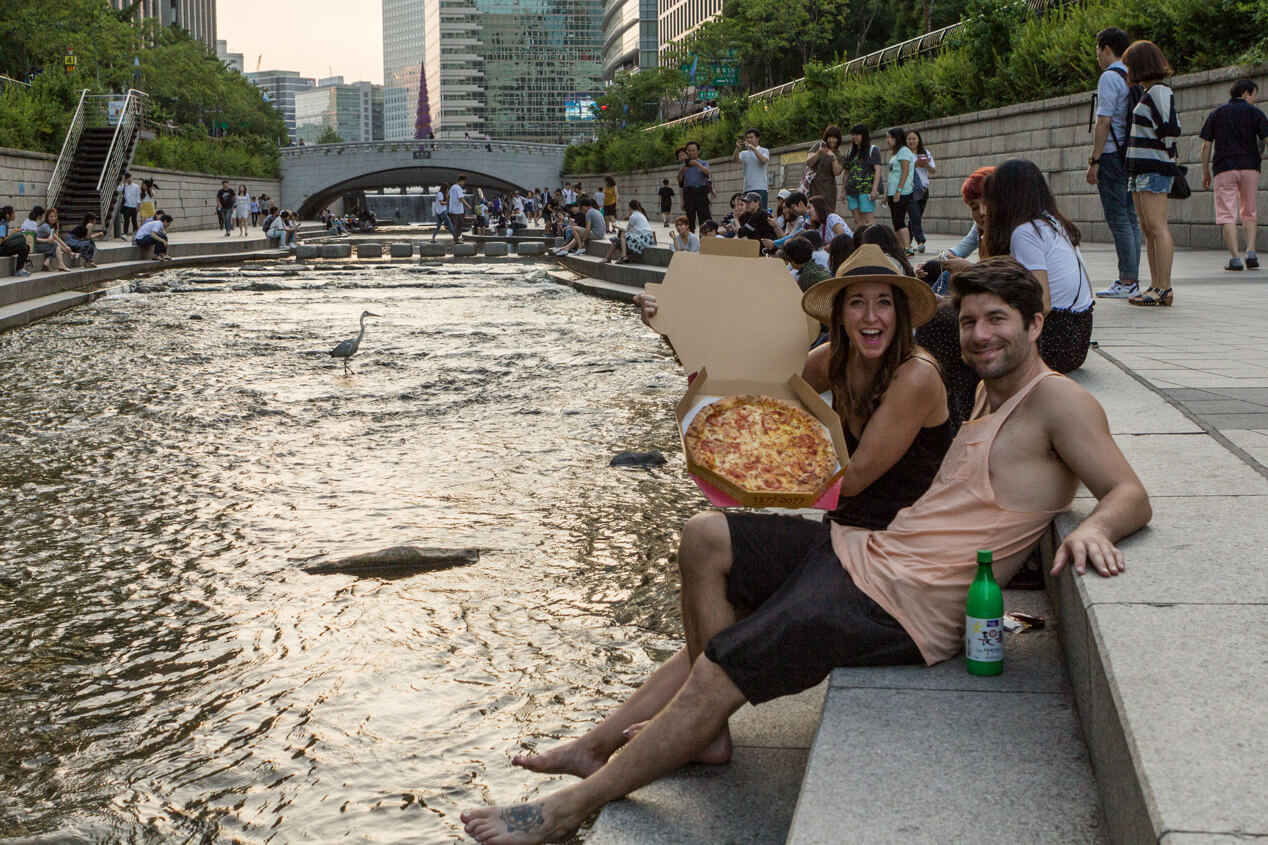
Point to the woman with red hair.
(971, 191)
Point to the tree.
(329, 136)
(636, 98)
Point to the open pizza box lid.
(738, 324)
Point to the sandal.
(1153, 296)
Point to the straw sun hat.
(869, 263)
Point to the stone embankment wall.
(188, 197)
(1052, 133)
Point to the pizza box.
(738, 324)
(739, 247)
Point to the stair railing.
(62, 170)
(122, 146)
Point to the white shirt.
(598, 198)
(829, 229)
(755, 178)
(821, 258)
(518, 205)
(438, 203)
(131, 194)
(150, 227)
(570, 196)
(638, 222)
(456, 193)
(1040, 245)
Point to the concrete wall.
(188, 197)
(1053, 133)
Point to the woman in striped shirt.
(1151, 163)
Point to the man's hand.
(1206, 177)
(647, 303)
(1088, 543)
(1092, 172)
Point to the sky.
(313, 37)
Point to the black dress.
(900, 486)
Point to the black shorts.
(805, 615)
(898, 211)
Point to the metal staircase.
(99, 146)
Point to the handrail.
(429, 144)
(67, 155)
(130, 116)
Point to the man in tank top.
(891, 596)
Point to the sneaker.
(23, 272)
(1118, 290)
(920, 248)
(1235, 264)
(1252, 261)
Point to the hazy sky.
(310, 36)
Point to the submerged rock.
(638, 459)
(396, 560)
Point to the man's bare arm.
(1080, 434)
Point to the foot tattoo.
(523, 818)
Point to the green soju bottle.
(984, 621)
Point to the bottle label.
(984, 639)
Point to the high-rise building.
(280, 87)
(403, 46)
(231, 60)
(509, 68)
(678, 19)
(353, 110)
(630, 39)
(198, 17)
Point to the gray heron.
(349, 347)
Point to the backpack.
(1135, 93)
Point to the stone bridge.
(315, 175)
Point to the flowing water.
(168, 459)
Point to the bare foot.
(575, 758)
(520, 824)
(717, 753)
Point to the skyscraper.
(198, 17)
(678, 19)
(630, 39)
(508, 67)
(281, 86)
(353, 110)
(403, 46)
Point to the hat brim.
(817, 302)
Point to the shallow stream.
(167, 459)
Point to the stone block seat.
(464, 250)
(622, 280)
(496, 248)
(432, 249)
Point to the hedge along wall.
(188, 197)
(1052, 133)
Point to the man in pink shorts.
(1235, 129)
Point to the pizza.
(762, 445)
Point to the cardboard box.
(739, 326)
(738, 247)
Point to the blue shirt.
(1111, 102)
(896, 172)
(694, 177)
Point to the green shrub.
(234, 155)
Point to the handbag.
(808, 178)
(1180, 189)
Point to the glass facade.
(403, 50)
(506, 67)
(281, 86)
(198, 17)
(354, 111)
(630, 36)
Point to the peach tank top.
(920, 567)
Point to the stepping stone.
(369, 250)
(400, 250)
(532, 248)
(432, 250)
(303, 251)
(496, 248)
(335, 250)
(464, 250)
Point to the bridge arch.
(313, 176)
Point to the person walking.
(129, 201)
(862, 183)
(255, 211)
(149, 203)
(694, 178)
(1151, 163)
(440, 209)
(925, 168)
(242, 209)
(225, 201)
(666, 201)
(610, 200)
(825, 160)
(1235, 129)
(901, 183)
(753, 157)
(1107, 166)
(457, 206)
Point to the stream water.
(167, 459)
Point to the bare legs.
(704, 559)
(1230, 237)
(1151, 209)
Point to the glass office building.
(353, 110)
(630, 40)
(678, 19)
(281, 86)
(403, 49)
(507, 67)
(198, 17)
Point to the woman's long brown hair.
(902, 347)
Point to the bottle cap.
(984, 556)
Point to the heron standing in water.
(349, 347)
